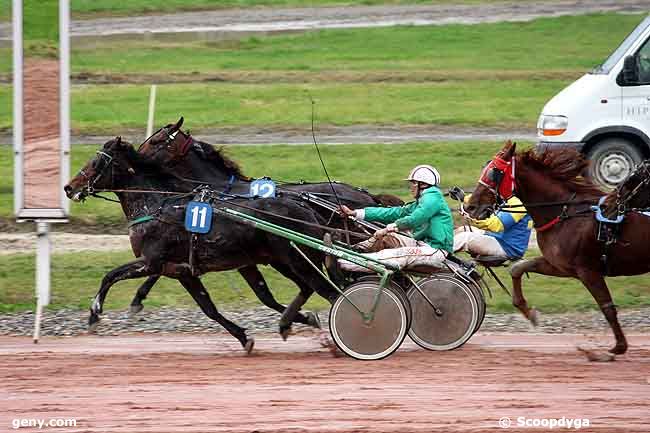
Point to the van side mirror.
(630, 70)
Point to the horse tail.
(387, 200)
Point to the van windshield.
(622, 49)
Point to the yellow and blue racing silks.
(511, 230)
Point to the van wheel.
(612, 161)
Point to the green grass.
(443, 80)
(76, 278)
(573, 43)
(89, 8)
(378, 167)
(111, 109)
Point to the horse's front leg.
(135, 269)
(538, 265)
(595, 283)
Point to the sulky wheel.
(480, 302)
(397, 288)
(456, 319)
(378, 338)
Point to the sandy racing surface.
(199, 383)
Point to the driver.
(428, 219)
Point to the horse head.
(111, 164)
(178, 153)
(495, 185)
(167, 145)
(634, 192)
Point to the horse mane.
(566, 166)
(218, 158)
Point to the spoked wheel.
(456, 316)
(377, 338)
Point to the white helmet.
(425, 173)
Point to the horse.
(558, 198)
(631, 194)
(198, 162)
(194, 163)
(162, 245)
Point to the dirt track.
(204, 383)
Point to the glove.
(390, 228)
(347, 211)
(457, 193)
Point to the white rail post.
(42, 274)
(152, 110)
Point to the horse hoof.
(93, 321)
(248, 347)
(533, 316)
(135, 309)
(285, 332)
(313, 320)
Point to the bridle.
(104, 161)
(622, 200)
(166, 145)
(498, 177)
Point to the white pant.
(407, 253)
(477, 242)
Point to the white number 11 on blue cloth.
(198, 217)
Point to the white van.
(606, 113)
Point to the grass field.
(419, 75)
(378, 167)
(76, 278)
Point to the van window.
(644, 63)
(622, 49)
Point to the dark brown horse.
(194, 162)
(557, 197)
(632, 194)
(162, 244)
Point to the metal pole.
(64, 96)
(42, 274)
(152, 109)
(18, 104)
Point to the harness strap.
(548, 225)
(140, 220)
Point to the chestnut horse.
(558, 198)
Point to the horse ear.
(509, 150)
(178, 125)
(118, 140)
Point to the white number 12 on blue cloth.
(263, 188)
(198, 217)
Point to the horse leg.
(141, 294)
(307, 279)
(256, 281)
(538, 265)
(595, 283)
(195, 287)
(135, 269)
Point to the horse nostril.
(68, 190)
